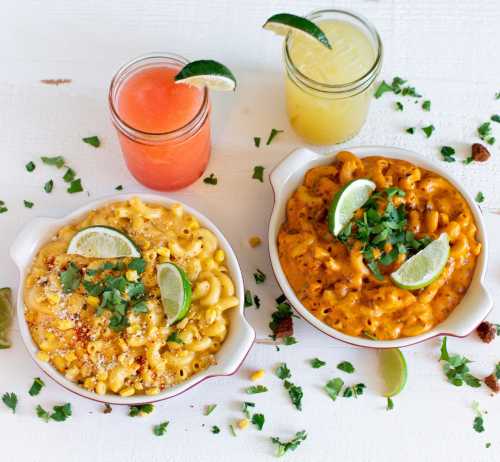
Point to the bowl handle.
(22, 248)
(287, 167)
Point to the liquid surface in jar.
(332, 278)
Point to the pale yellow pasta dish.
(101, 321)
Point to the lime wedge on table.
(424, 267)
(5, 317)
(102, 242)
(208, 73)
(394, 371)
(175, 291)
(283, 23)
(349, 199)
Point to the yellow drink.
(328, 92)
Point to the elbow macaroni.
(137, 359)
(333, 282)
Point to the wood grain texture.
(447, 49)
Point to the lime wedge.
(349, 199)
(207, 73)
(102, 242)
(283, 23)
(394, 371)
(175, 291)
(5, 317)
(424, 267)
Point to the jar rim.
(122, 74)
(367, 77)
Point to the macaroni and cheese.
(101, 322)
(347, 286)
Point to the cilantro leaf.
(231, 430)
(28, 204)
(160, 429)
(256, 300)
(69, 176)
(258, 420)
(284, 446)
(36, 387)
(61, 413)
(390, 404)
(70, 279)
(283, 372)
(42, 413)
(245, 408)
(30, 166)
(211, 179)
(137, 264)
(254, 389)
(333, 387)
(426, 105)
(346, 366)
(174, 337)
(399, 106)
(258, 173)
(248, 299)
(215, 429)
(289, 340)
(484, 130)
(448, 154)
(479, 197)
(259, 277)
(209, 409)
(444, 350)
(49, 186)
(10, 400)
(383, 87)
(316, 363)
(256, 141)
(92, 140)
(456, 368)
(354, 390)
(468, 160)
(495, 118)
(428, 130)
(119, 187)
(296, 394)
(57, 161)
(273, 135)
(140, 307)
(410, 130)
(478, 424)
(140, 410)
(75, 186)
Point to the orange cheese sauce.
(333, 282)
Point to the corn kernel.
(257, 375)
(254, 241)
(131, 275)
(219, 256)
(100, 388)
(102, 375)
(243, 423)
(53, 298)
(59, 363)
(152, 391)
(89, 383)
(163, 251)
(128, 391)
(93, 301)
(64, 324)
(210, 315)
(70, 356)
(43, 356)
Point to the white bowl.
(229, 358)
(466, 316)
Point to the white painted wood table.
(449, 50)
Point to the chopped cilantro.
(256, 300)
(399, 106)
(283, 372)
(333, 387)
(248, 299)
(497, 370)
(30, 166)
(281, 299)
(478, 424)
(92, 140)
(69, 176)
(410, 91)
(211, 179)
(254, 389)
(283, 311)
(383, 87)
(174, 337)
(497, 95)
(426, 105)
(49, 186)
(215, 429)
(42, 413)
(119, 187)
(296, 394)
(484, 130)
(256, 141)
(410, 130)
(209, 409)
(354, 390)
(245, 408)
(160, 429)
(70, 278)
(273, 135)
(289, 340)
(390, 404)
(28, 204)
(61, 413)
(448, 154)
(259, 277)
(10, 400)
(140, 410)
(468, 160)
(137, 264)
(495, 118)
(284, 446)
(479, 197)
(491, 140)
(258, 173)
(36, 387)
(57, 161)
(258, 420)
(456, 368)
(140, 307)
(231, 430)
(75, 186)
(428, 130)
(316, 363)
(487, 445)
(346, 366)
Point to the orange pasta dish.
(346, 279)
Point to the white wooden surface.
(449, 50)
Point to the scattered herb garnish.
(3, 208)
(399, 106)
(49, 186)
(61, 413)
(478, 423)
(258, 420)
(333, 387)
(448, 154)
(70, 279)
(57, 161)
(119, 187)
(256, 300)
(10, 400)
(354, 390)
(383, 87)
(36, 387)
(30, 166)
(484, 130)
(160, 429)
(273, 135)
(346, 366)
(75, 186)
(283, 372)
(497, 95)
(410, 130)
(211, 179)
(256, 141)
(487, 445)
(426, 105)
(215, 429)
(456, 368)
(428, 130)
(140, 410)
(209, 409)
(92, 140)
(248, 299)
(107, 409)
(284, 446)
(259, 277)
(316, 363)
(479, 197)
(296, 394)
(390, 404)
(231, 430)
(495, 118)
(69, 176)
(137, 264)
(468, 160)
(289, 340)
(174, 337)
(254, 389)
(42, 413)
(28, 204)
(258, 173)
(283, 314)
(245, 408)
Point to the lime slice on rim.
(349, 199)
(175, 290)
(394, 370)
(207, 73)
(283, 23)
(424, 267)
(102, 242)
(5, 317)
